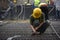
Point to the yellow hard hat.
(37, 13)
(42, 4)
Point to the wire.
(52, 25)
(14, 6)
(21, 11)
(9, 8)
(54, 29)
(6, 12)
(51, 10)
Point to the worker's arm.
(39, 26)
(42, 21)
(31, 22)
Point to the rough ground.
(21, 30)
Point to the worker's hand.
(33, 29)
(39, 26)
(36, 28)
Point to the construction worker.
(44, 8)
(51, 2)
(36, 3)
(37, 22)
(47, 1)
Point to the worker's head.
(44, 7)
(37, 13)
(42, 4)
